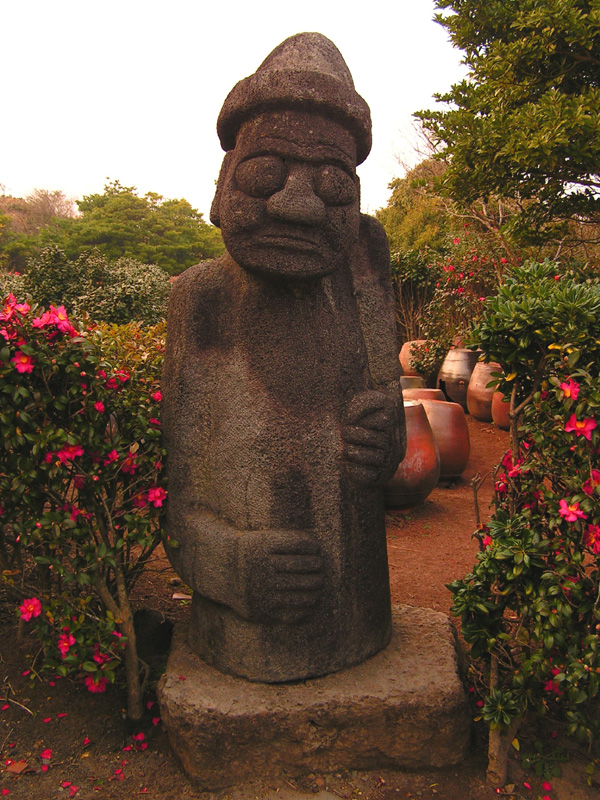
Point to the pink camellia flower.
(129, 464)
(582, 427)
(157, 396)
(112, 456)
(570, 389)
(22, 362)
(8, 307)
(22, 308)
(100, 658)
(156, 495)
(99, 406)
(60, 318)
(67, 453)
(65, 641)
(487, 541)
(30, 608)
(571, 513)
(140, 500)
(154, 421)
(591, 538)
(591, 483)
(94, 685)
(43, 321)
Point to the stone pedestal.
(404, 708)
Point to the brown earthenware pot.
(451, 433)
(423, 394)
(455, 373)
(405, 359)
(501, 410)
(419, 472)
(479, 395)
(412, 382)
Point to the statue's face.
(290, 198)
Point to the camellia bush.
(531, 606)
(81, 484)
(464, 278)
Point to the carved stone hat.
(306, 72)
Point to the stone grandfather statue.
(283, 415)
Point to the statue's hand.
(371, 437)
(280, 575)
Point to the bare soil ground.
(96, 753)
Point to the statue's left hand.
(371, 437)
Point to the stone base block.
(405, 708)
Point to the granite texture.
(404, 708)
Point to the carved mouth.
(289, 242)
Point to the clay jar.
(500, 411)
(412, 382)
(404, 357)
(419, 472)
(455, 373)
(479, 396)
(423, 394)
(449, 426)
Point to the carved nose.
(297, 202)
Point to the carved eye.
(261, 176)
(334, 186)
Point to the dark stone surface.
(282, 411)
(404, 709)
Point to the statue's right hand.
(280, 575)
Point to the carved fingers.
(371, 437)
(282, 573)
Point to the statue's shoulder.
(201, 302)
(201, 277)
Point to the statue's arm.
(374, 432)
(266, 575)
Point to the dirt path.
(95, 754)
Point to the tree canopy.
(525, 124)
(121, 224)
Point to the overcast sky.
(131, 89)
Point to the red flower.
(157, 396)
(66, 453)
(591, 538)
(591, 483)
(129, 464)
(570, 389)
(572, 512)
(95, 686)
(30, 608)
(156, 495)
(99, 406)
(22, 362)
(65, 640)
(112, 456)
(581, 428)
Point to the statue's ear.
(215, 209)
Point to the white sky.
(131, 89)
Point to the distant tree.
(121, 224)
(524, 124)
(416, 217)
(23, 218)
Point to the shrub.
(115, 292)
(530, 606)
(81, 483)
